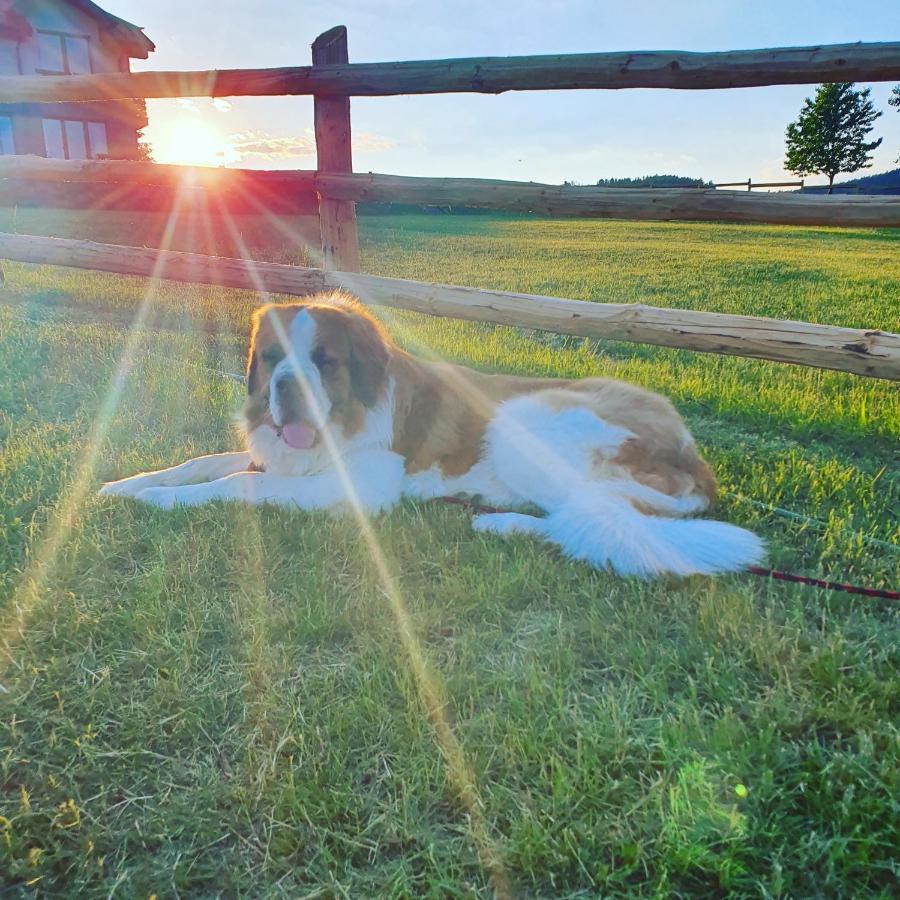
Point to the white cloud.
(260, 144)
(264, 145)
(221, 104)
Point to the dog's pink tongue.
(300, 437)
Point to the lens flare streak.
(43, 560)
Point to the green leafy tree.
(895, 96)
(829, 135)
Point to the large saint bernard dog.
(337, 416)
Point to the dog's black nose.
(290, 396)
(285, 382)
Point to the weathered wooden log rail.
(875, 354)
(699, 204)
(676, 69)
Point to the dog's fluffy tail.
(598, 525)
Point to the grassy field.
(218, 701)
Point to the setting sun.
(191, 142)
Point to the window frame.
(88, 142)
(61, 37)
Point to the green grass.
(217, 701)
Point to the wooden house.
(69, 37)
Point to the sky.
(554, 136)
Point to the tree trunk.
(830, 183)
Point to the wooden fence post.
(337, 218)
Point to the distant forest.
(883, 183)
(654, 181)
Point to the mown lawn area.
(221, 701)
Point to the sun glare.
(191, 142)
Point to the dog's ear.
(252, 377)
(252, 365)
(369, 355)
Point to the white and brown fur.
(611, 465)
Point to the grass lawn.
(220, 701)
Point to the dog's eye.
(272, 355)
(322, 361)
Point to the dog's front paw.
(127, 487)
(160, 497)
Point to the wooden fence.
(675, 69)
(662, 204)
(332, 80)
(749, 184)
(872, 353)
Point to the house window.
(54, 145)
(9, 57)
(97, 139)
(63, 54)
(7, 143)
(76, 140)
(71, 139)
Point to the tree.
(894, 100)
(829, 134)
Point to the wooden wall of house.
(249, 199)
(123, 119)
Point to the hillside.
(882, 183)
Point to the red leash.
(825, 585)
(752, 570)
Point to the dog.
(338, 417)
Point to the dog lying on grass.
(338, 416)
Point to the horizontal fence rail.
(623, 203)
(677, 69)
(872, 353)
(702, 204)
(750, 184)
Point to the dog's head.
(312, 365)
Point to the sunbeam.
(314, 253)
(431, 695)
(253, 581)
(44, 557)
(461, 776)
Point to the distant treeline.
(654, 181)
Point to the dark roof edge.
(132, 36)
